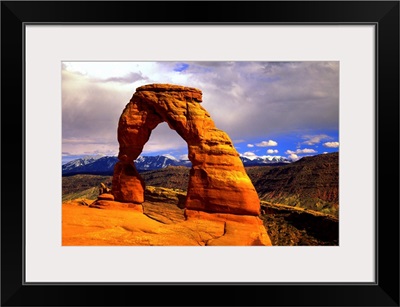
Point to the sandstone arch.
(218, 182)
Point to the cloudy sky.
(288, 109)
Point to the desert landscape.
(215, 200)
(286, 224)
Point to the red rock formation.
(218, 182)
(105, 196)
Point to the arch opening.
(164, 141)
(167, 153)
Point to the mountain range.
(311, 182)
(105, 165)
(299, 200)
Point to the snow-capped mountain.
(90, 165)
(105, 165)
(263, 160)
(79, 163)
(156, 162)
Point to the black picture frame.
(383, 14)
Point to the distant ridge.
(104, 165)
(90, 165)
(265, 160)
(311, 182)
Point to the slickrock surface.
(218, 182)
(159, 225)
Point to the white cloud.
(249, 155)
(169, 156)
(164, 139)
(331, 144)
(300, 151)
(184, 157)
(306, 150)
(267, 143)
(293, 157)
(247, 100)
(250, 145)
(314, 139)
(272, 151)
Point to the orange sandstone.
(218, 182)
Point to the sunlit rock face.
(218, 182)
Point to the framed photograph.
(247, 157)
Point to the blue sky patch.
(179, 67)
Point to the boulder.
(105, 196)
(110, 205)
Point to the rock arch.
(218, 182)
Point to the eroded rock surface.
(156, 224)
(218, 182)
